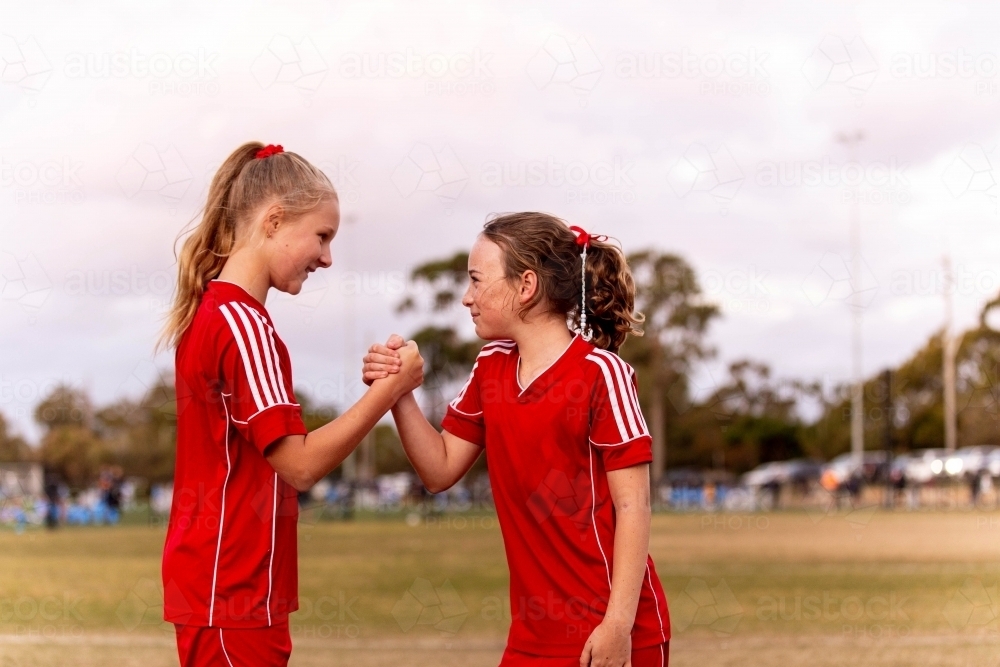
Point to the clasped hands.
(398, 363)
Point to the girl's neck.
(242, 273)
(539, 344)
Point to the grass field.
(868, 588)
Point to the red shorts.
(233, 647)
(651, 656)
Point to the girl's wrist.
(404, 402)
(619, 620)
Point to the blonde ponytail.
(240, 186)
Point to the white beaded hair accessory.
(583, 240)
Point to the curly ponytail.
(544, 244)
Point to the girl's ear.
(274, 215)
(528, 287)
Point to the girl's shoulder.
(600, 363)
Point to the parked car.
(992, 463)
(924, 465)
(775, 472)
(968, 462)
(797, 472)
(873, 467)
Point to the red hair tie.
(583, 238)
(269, 150)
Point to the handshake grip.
(397, 363)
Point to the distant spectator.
(52, 495)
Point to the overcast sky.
(706, 129)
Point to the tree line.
(746, 418)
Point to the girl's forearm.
(424, 446)
(631, 550)
(304, 460)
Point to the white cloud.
(195, 82)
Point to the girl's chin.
(486, 333)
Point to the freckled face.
(490, 299)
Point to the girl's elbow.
(298, 480)
(302, 485)
(436, 486)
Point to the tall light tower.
(949, 349)
(852, 140)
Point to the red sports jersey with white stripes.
(230, 558)
(549, 447)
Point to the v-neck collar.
(543, 379)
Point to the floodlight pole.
(851, 140)
(949, 349)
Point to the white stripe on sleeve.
(267, 349)
(458, 399)
(241, 344)
(635, 401)
(251, 336)
(612, 395)
(616, 364)
(277, 365)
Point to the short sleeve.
(617, 428)
(464, 417)
(256, 378)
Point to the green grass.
(903, 588)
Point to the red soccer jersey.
(230, 558)
(549, 446)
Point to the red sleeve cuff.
(465, 427)
(627, 454)
(273, 423)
